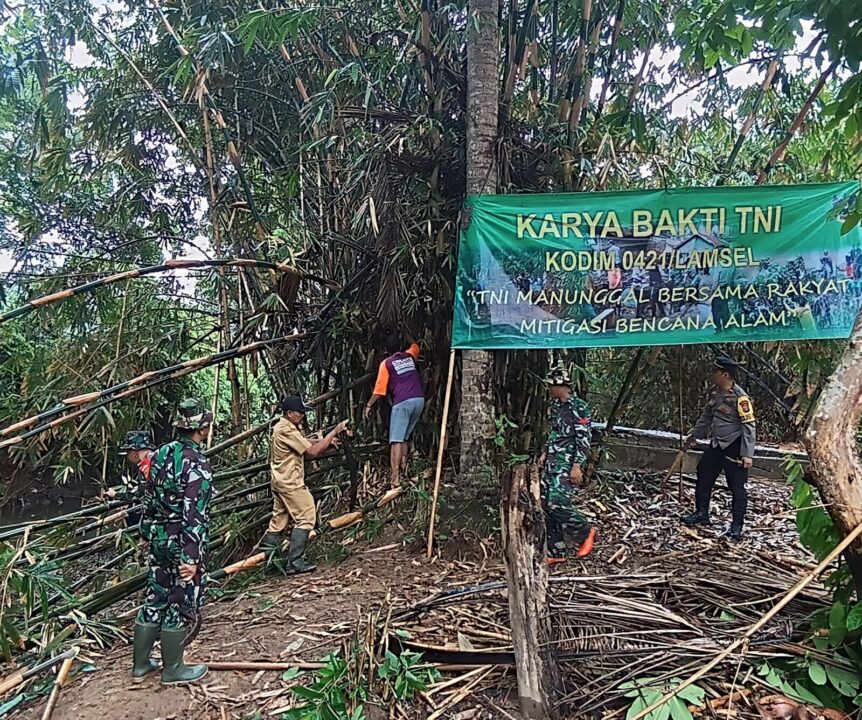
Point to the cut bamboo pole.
(677, 461)
(95, 400)
(151, 270)
(256, 666)
(62, 674)
(438, 472)
(342, 521)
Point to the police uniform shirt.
(727, 417)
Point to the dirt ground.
(301, 619)
(294, 619)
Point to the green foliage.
(331, 696)
(647, 691)
(834, 630)
(24, 594)
(404, 674)
(337, 692)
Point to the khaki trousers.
(291, 499)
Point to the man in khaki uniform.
(290, 496)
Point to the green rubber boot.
(142, 663)
(174, 670)
(297, 563)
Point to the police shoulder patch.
(745, 409)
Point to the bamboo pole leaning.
(264, 426)
(94, 400)
(175, 264)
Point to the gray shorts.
(403, 419)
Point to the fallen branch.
(754, 628)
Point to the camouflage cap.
(137, 440)
(559, 376)
(192, 415)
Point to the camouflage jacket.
(569, 431)
(177, 500)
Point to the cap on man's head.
(192, 415)
(725, 364)
(294, 403)
(137, 440)
(559, 376)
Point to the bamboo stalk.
(256, 666)
(339, 522)
(174, 264)
(780, 151)
(62, 674)
(94, 400)
(612, 55)
(264, 426)
(752, 115)
(440, 449)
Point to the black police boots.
(734, 532)
(695, 518)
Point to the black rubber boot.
(174, 670)
(145, 638)
(696, 518)
(296, 563)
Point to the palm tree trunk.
(522, 526)
(477, 396)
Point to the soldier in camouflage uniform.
(566, 454)
(176, 524)
(138, 448)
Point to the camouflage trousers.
(558, 502)
(169, 601)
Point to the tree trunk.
(830, 440)
(477, 397)
(523, 526)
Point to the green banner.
(662, 267)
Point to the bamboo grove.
(312, 159)
(241, 200)
(330, 139)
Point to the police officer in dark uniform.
(728, 420)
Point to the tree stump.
(523, 526)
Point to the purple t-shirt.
(399, 377)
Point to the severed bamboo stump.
(523, 526)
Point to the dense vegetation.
(331, 138)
